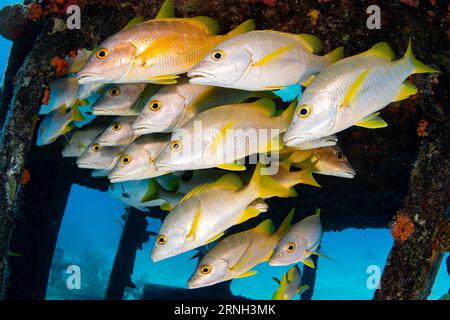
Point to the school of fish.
(171, 97)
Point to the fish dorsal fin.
(265, 227)
(382, 50)
(311, 42)
(372, 121)
(246, 26)
(195, 191)
(195, 222)
(407, 89)
(272, 56)
(354, 88)
(135, 21)
(229, 181)
(166, 11)
(209, 25)
(265, 105)
(152, 191)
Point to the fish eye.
(290, 247)
(154, 105)
(114, 92)
(126, 159)
(205, 269)
(161, 239)
(217, 55)
(304, 111)
(176, 145)
(96, 147)
(116, 126)
(102, 53)
(340, 155)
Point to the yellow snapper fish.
(142, 194)
(82, 138)
(57, 123)
(63, 92)
(172, 106)
(155, 51)
(119, 133)
(263, 60)
(289, 285)
(137, 160)
(119, 100)
(207, 211)
(99, 157)
(235, 256)
(299, 243)
(352, 91)
(77, 63)
(329, 161)
(228, 133)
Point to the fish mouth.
(85, 165)
(198, 76)
(117, 178)
(163, 167)
(107, 143)
(158, 257)
(142, 129)
(275, 263)
(89, 78)
(100, 111)
(345, 174)
(296, 140)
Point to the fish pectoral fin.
(302, 289)
(160, 47)
(311, 42)
(195, 222)
(215, 238)
(229, 181)
(309, 81)
(166, 206)
(166, 11)
(407, 89)
(169, 79)
(272, 56)
(309, 263)
(372, 121)
(354, 88)
(320, 254)
(232, 167)
(220, 137)
(248, 274)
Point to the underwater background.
(91, 230)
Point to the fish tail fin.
(288, 114)
(285, 225)
(76, 113)
(417, 66)
(335, 55)
(266, 186)
(244, 27)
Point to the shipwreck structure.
(403, 171)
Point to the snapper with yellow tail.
(263, 60)
(352, 91)
(235, 256)
(289, 285)
(207, 211)
(220, 136)
(155, 51)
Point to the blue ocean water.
(91, 230)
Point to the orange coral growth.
(314, 15)
(402, 228)
(421, 129)
(73, 53)
(35, 12)
(60, 65)
(46, 97)
(270, 3)
(26, 177)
